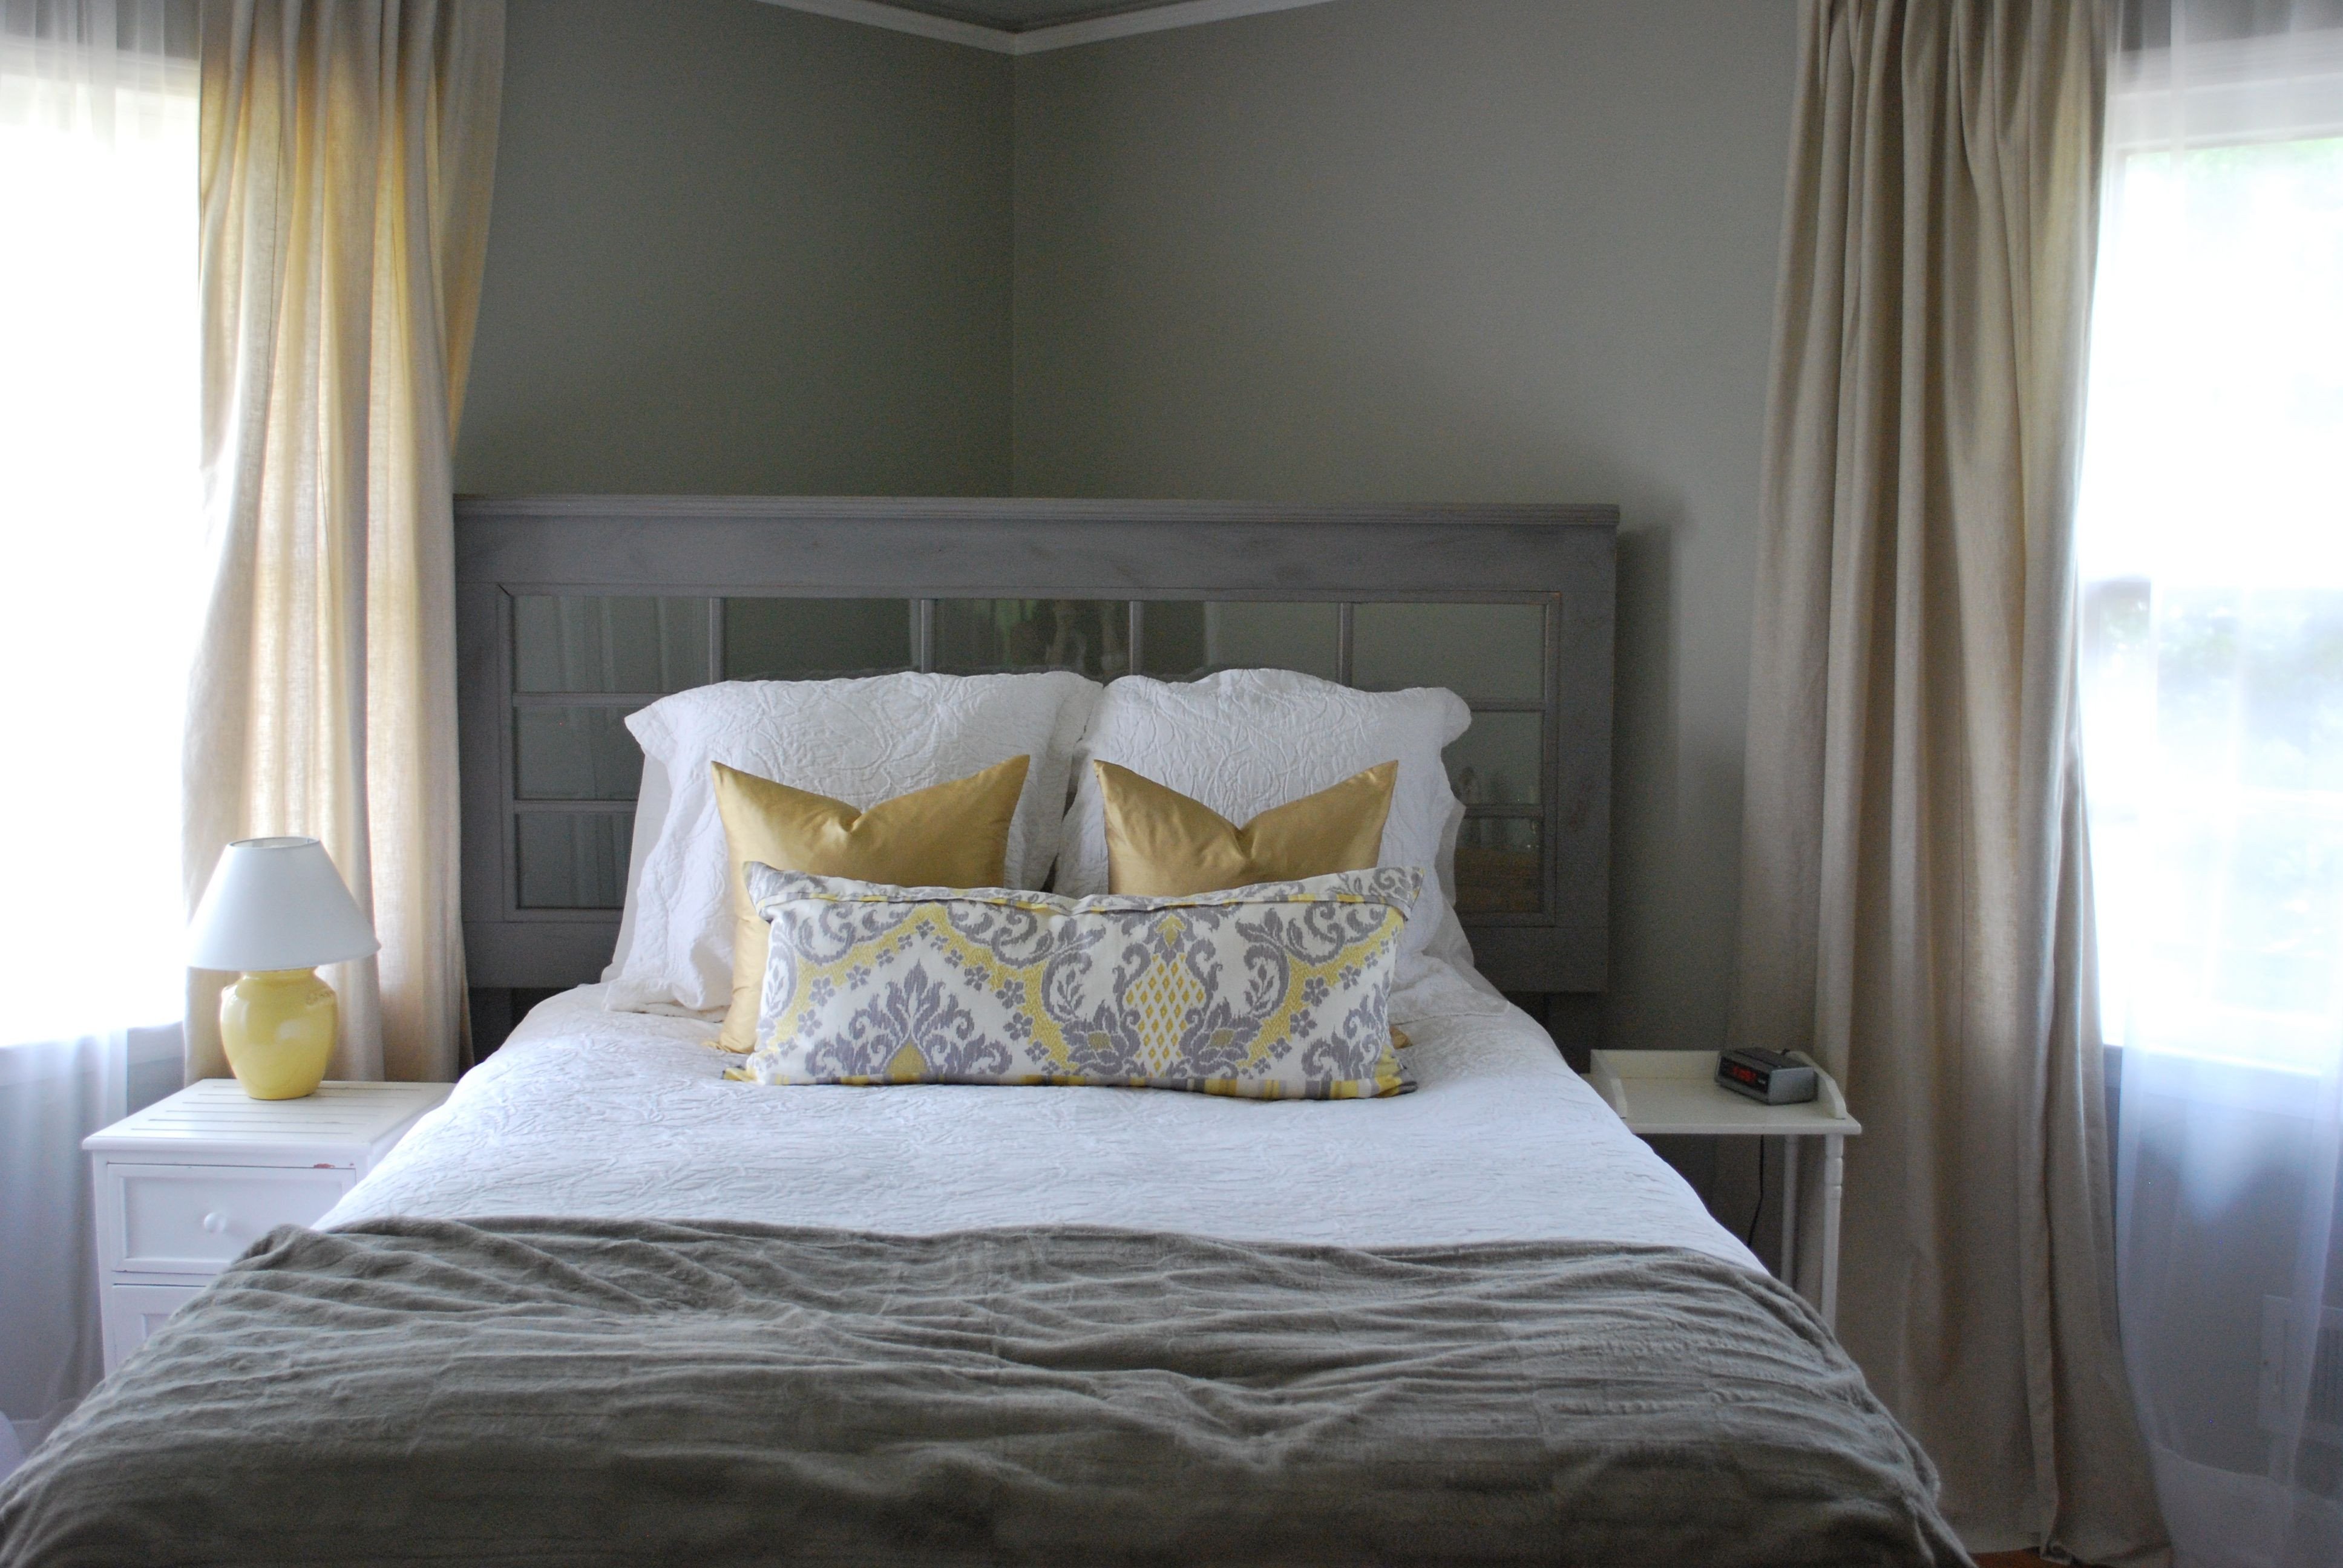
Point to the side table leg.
(1788, 1272)
(1833, 1181)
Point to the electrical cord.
(1749, 1236)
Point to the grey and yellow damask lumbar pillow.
(1276, 991)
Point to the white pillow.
(650, 817)
(860, 741)
(1244, 741)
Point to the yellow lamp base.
(277, 1027)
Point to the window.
(99, 517)
(2211, 551)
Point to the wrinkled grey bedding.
(589, 1392)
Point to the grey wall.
(742, 248)
(1430, 249)
(1447, 250)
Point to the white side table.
(1675, 1094)
(186, 1184)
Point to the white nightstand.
(1675, 1094)
(186, 1184)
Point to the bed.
(608, 1305)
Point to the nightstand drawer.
(194, 1218)
(133, 1314)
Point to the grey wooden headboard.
(574, 610)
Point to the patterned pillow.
(1277, 991)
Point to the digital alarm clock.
(1770, 1077)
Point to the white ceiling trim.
(1039, 40)
(872, 14)
(1162, 18)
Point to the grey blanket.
(544, 1392)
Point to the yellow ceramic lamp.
(276, 908)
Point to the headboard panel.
(572, 610)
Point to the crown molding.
(1158, 19)
(872, 14)
(1039, 40)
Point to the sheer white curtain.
(2211, 547)
(99, 522)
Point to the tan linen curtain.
(1914, 908)
(347, 152)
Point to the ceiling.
(1022, 15)
(1031, 26)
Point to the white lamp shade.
(277, 904)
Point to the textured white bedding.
(590, 1113)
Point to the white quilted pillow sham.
(1244, 741)
(860, 741)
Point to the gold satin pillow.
(1161, 844)
(952, 835)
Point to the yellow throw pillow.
(859, 973)
(952, 835)
(1161, 844)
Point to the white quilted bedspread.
(590, 1113)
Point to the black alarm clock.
(1769, 1077)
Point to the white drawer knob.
(214, 1223)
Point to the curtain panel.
(2210, 546)
(347, 148)
(1914, 908)
(98, 528)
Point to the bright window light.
(2211, 547)
(99, 536)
